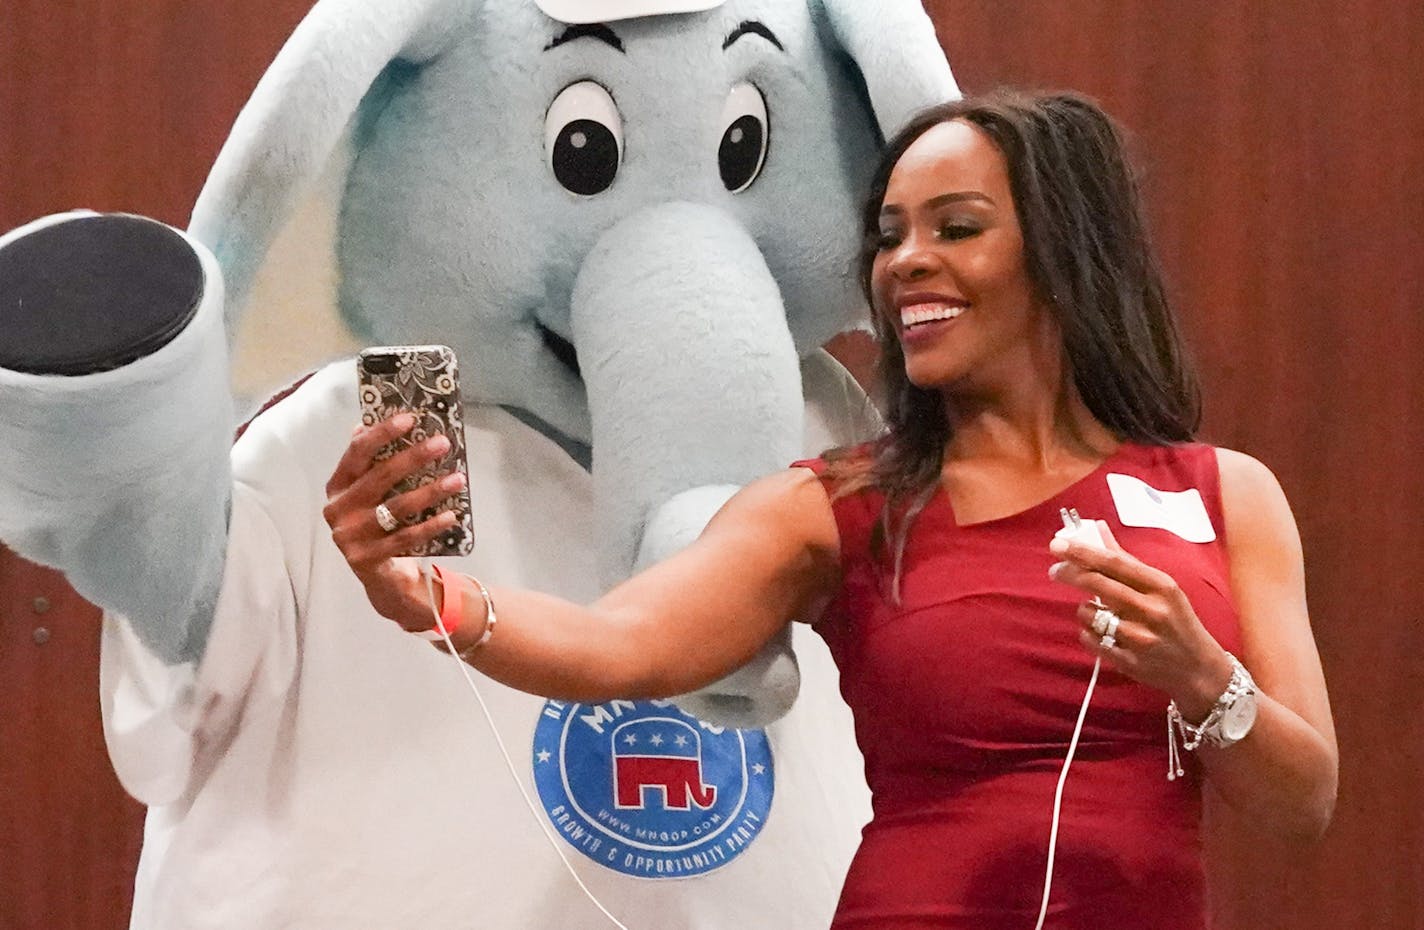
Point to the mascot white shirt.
(322, 768)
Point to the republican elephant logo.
(644, 788)
(659, 754)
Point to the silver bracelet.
(490, 619)
(1228, 721)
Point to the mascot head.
(630, 218)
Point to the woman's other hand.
(1159, 641)
(357, 487)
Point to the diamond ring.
(386, 519)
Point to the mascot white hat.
(605, 11)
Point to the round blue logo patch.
(648, 790)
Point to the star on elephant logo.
(649, 790)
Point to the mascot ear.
(893, 42)
(290, 128)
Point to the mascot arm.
(116, 466)
(838, 413)
(115, 418)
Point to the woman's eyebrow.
(894, 209)
(958, 197)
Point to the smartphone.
(422, 381)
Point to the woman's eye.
(886, 241)
(957, 231)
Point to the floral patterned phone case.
(423, 381)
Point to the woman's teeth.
(928, 313)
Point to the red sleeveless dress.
(965, 695)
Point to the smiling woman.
(1035, 373)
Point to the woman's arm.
(770, 555)
(1286, 769)
(1284, 772)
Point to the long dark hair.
(1089, 260)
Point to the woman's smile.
(927, 317)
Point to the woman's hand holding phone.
(363, 481)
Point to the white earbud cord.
(554, 842)
(1058, 795)
(509, 762)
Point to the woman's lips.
(926, 318)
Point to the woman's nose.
(911, 261)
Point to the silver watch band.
(1210, 730)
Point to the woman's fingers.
(406, 506)
(1129, 632)
(372, 487)
(1115, 563)
(1157, 613)
(1120, 653)
(365, 443)
(352, 522)
(1106, 532)
(1103, 587)
(351, 510)
(363, 551)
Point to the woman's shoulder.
(1232, 465)
(1253, 504)
(791, 505)
(1240, 470)
(1220, 469)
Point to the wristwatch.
(1230, 718)
(1237, 706)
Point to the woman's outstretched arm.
(769, 556)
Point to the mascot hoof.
(84, 293)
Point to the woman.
(1033, 366)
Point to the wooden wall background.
(1284, 154)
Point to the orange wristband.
(452, 611)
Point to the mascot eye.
(745, 138)
(583, 138)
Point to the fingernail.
(1055, 568)
(438, 444)
(1058, 546)
(403, 421)
(453, 482)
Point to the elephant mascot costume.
(635, 221)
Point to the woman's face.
(949, 273)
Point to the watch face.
(1239, 717)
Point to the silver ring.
(386, 519)
(1105, 622)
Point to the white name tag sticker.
(1180, 512)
